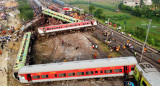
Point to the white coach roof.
(96, 63)
(150, 73)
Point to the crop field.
(109, 9)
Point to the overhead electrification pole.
(88, 6)
(108, 21)
(145, 40)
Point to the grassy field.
(132, 22)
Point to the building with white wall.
(134, 3)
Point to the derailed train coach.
(63, 27)
(22, 55)
(96, 68)
(61, 3)
(146, 75)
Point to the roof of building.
(131, 0)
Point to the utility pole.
(88, 6)
(108, 21)
(145, 40)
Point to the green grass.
(132, 22)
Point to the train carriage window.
(144, 83)
(71, 74)
(44, 76)
(36, 77)
(55, 75)
(20, 59)
(108, 71)
(132, 68)
(101, 71)
(117, 70)
(62, 75)
(96, 72)
(89, 72)
(80, 73)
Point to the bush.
(26, 12)
(144, 12)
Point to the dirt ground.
(76, 47)
(12, 21)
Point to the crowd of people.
(6, 37)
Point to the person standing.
(135, 53)
(95, 55)
(0, 52)
(62, 42)
(109, 56)
(93, 46)
(2, 46)
(96, 46)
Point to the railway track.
(153, 51)
(121, 42)
(131, 39)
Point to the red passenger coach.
(49, 29)
(77, 70)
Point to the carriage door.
(29, 77)
(126, 69)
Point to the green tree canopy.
(92, 9)
(26, 12)
(140, 33)
(98, 13)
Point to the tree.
(151, 41)
(26, 12)
(98, 13)
(140, 33)
(92, 9)
(137, 12)
(120, 5)
(141, 3)
(156, 3)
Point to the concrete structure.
(134, 3)
(131, 3)
(147, 2)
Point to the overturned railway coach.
(77, 70)
(22, 54)
(59, 16)
(146, 75)
(70, 26)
